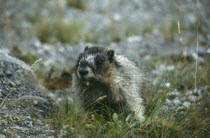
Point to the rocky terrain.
(24, 103)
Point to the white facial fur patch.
(90, 59)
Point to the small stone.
(4, 82)
(186, 104)
(12, 84)
(2, 136)
(1, 74)
(35, 102)
(172, 95)
(167, 84)
(193, 98)
(176, 101)
(8, 73)
(181, 108)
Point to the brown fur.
(117, 85)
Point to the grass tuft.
(59, 30)
(79, 4)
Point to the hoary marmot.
(103, 79)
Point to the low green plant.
(79, 4)
(159, 122)
(169, 29)
(114, 32)
(148, 27)
(58, 30)
(29, 58)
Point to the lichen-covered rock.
(23, 102)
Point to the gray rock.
(23, 101)
(2, 136)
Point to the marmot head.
(94, 64)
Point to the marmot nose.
(83, 72)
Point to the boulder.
(24, 104)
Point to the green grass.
(79, 4)
(160, 122)
(28, 57)
(114, 32)
(169, 29)
(58, 30)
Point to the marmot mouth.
(86, 81)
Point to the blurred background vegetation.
(73, 21)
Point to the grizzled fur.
(102, 79)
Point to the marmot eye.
(99, 61)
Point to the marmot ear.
(110, 54)
(86, 48)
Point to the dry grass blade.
(101, 98)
